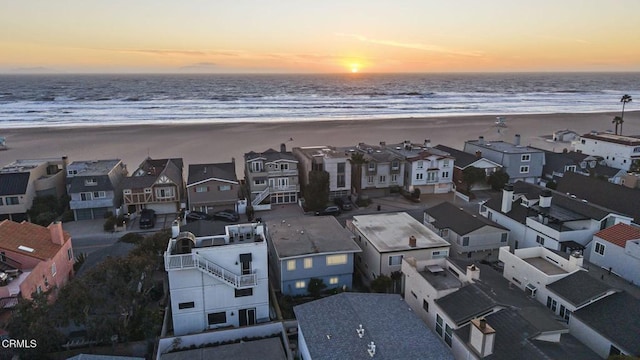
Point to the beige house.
(156, 184)
(212, 187)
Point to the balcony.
(283, 188)
(195, 261)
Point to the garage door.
(98, 213)
(83, 214)
(167, 208)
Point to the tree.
(618, 122)
(316, 193)
(381, 284)
(498, 179)
(472, 175)
(315, 287)
(626, 98)
(552, 185)
(44, 210)
(357, 160)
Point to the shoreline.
(220, 142)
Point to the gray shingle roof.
(616, 318)
(466, 303)
(449, 216)
(463, 159)
(77, 184)
(14, 184)
(579, 288)
(329, 328)
(222, 171)
(270, 155)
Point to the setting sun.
(355, 68)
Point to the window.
(425, 305)
(445, 163)
(259, 181)
(69, 254)
(284, 166)
(445, 174)
(565, 313)
(147, 191)
(524, 169)
(419, 176)
(186, 305)
(394, 178)
(334, 280)
(341, 167)
(371, 179)
(395, 165)
(336, 259)
(291, 265)
(570, 168)
(439, 254)
(503, 237)
(341, 180)
(540, 240)
(12, 200)
(448, 332)
(224, 187)
(465, 241)
(372, 166)
(217, 318)
(201, 189)
(54, 269)
(483, 208)
(257, 166)
(127, 191)
(600, 248)
(382, 179)
(308, 263)
(72, 172)
(439, 325)
(525, 157)
(86, 196)
(244, 292)
(301, 285)
(582, 141)
(90, 182)
(431, 176)
(1, 201)
(552, 303)
(395, 260)
(99, 194)
(420, 164)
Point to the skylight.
(26, 248)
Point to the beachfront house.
(385, 239)
(470, 236)
(617, 249)
(521, 163)
(23, 180)
(156, 184)
(333, 161)
(464, 161)
(378, 173)
(34, 259)
(218, 280)
(272, 177)
(362, 326)
(618, 151)
(565, 135)
(306, 248)
(426, 168)
(212, 187)
(557, 164)
(95, 187)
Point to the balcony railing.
(194, 261)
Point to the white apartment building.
(426, 168)
(219, 280)
(618, 151)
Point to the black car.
(227, 215)
(197, 215)
(330, 210)
(147, 218)
(343, 203)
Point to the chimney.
(175, 229)
(383, 144)
(481, 140)
(360, 145)
(412, 241)
(473, 272)
(482, 337)
(427, 143)
(283, 148)
(233, 160)
(507, 198)
(57, 234)
(517, 140)
(545, 199)
(576, 259)
(478, 154)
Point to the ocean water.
(82, 100)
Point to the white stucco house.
(618, 249)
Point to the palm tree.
(624, 100)
(618, 121)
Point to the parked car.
(343, 203)
(147, 218)
(227, 215)
(197, 215)
(330, 210)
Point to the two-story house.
(618, 151)
(465, 160)
(95, 187)
(23, 180)
(557, 164)
(219, 280)
(156, 184)
(306, 248)
(617, 248)
(386, 238)
(426, 168)
(329, 159)
(272, 177)
(380, 171)
(470, 236)
(212, 187)
(537, 216)
(521, 163)
(33, 259)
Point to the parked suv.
(227, 215)
(330, 210)
(198, 215)
(147, 218)
(343, 203)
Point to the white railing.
(261, 196)
(193, 261)
(277, 188)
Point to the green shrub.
(110, 224)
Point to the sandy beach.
(210, 143)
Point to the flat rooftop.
(300, 236)
(545, 266)
(264, 349)
(505, 147)
(441, 280)
(93, 167)
(322, 151)
(391, 232)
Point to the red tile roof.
(619, 234)
(13, 234)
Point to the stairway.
(226, 276)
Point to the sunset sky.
(328, 36)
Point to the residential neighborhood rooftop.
(505, 147)
(391, 232)
(545, 266)
(300, 236)
(450, 216)
(92, 167)
(463, 159)
(619, 234)
(617, 139)
(218, 171)
(29, 239)
(262, 349)
(329, 327)
(270, 155)
(14, 183)
(579, 288)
